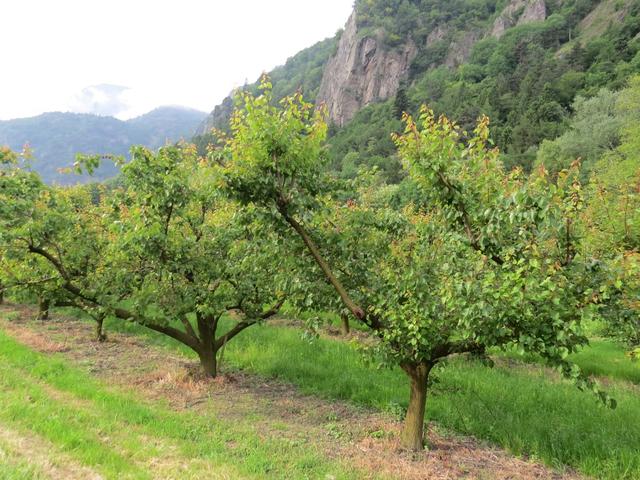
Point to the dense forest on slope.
(528, 64)
(527, 82)
(56, 138)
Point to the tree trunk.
(413, 429)
(207, 350)
(208, 361)
(344, 324)
(1, 294)
(43, 308)
(100, 335)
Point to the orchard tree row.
(463, 258)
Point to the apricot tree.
(484, 259)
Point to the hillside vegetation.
(301, 72)
(460, 195)
(521, 81)
(527, 78)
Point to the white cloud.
(191, 52)
(101, 99)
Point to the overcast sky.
(126, 57)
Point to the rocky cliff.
(519, 12)
(362, 71)
(363, 68)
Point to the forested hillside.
(529, 65)
(56, 138)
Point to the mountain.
(173, 123)
(524, 63)
(55, 138)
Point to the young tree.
(487, 259)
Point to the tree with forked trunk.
(473, 258)
(164, 249)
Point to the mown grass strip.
(27, 404)
(602, 358)
(201, 437)
(524, 409)
(17, 472)
(608, 359)
(12, 468)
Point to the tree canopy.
(165, 250)
(487, 259)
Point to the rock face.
(519, 12)
(460, 49)
(362, 71)
(219, 118)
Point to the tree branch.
(354, 308)
(174, 333)
(464, 218)
(273, 310)
(232, 333)
(187, 326)
(182, 337)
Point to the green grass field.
(11, 469)
(526, 409)
(119, 435)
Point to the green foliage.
(612, 222)
(593, 129)
(366, 142)
(503, 242)
(285, 141)
(163, 246)
(488, 259)
(400, 19)
(527, 81)
(301, 73)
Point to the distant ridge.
(57, 137)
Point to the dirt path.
(364, 438)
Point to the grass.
(602, 358)
(606, 358)
(120, 435)
(15, 469)
(526, 409)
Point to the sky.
(126, 57)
